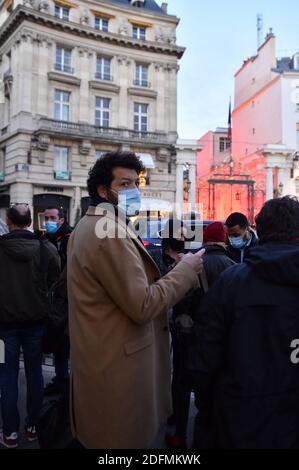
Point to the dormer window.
(101, 23)
(137, 3)
(62, 12)
(139, 32)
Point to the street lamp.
(280, 189)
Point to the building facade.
(78, 79)
(213, 162)
(260, 161)
(266, 122)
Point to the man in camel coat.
(119, 336)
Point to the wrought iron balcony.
(108, 134)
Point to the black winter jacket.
(28, 267)
(60, 241)
(248, 322)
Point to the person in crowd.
(241, 237)
(246, 335)
(58, 232)
(185, 313)
(118, 315)
(28, 267)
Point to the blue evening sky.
(219, 36)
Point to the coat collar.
(109, 211)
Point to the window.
(63, 60)
(139, 32)
(62, 105)
(100, 153)
(103, 69)
(224, 144)
(140, 117)
(141, 75)
(61, 163)
(101, 23)
(2, 163)
(102, 112)
(62, 12)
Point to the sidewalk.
(48, 374)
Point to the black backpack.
(53, 428)
(57, 322)
(58, 302)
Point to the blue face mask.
(238, 242)
(129, 201)
(51, 227)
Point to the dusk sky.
(219, 36)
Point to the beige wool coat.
(120, 363)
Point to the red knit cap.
(214, 233)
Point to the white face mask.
(129, 201)
(238, 242)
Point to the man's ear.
(102, 191)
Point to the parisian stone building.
(78, 79)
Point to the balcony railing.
(143, 83)
(104, 76)
(110, 133)
(63, 68)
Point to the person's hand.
(194, 260)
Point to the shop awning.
(147, 160)
(155, 205)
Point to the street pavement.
(48, 374)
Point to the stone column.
(84, 63)
(43, 85)
(124, 77)
(75, 206)
(269, 184)
(179, 188)
(192, 193)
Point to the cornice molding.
(105, 86)
(22, 13)
(102, 14)
(147, 92)
(65, 3)
(63, 78)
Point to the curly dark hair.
(102, 172)
(278, 220)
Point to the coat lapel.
(104, 210)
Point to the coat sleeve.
(211, 336)
(53, 266)
(121, 271)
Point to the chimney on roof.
(270, 34)
(164, 7)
